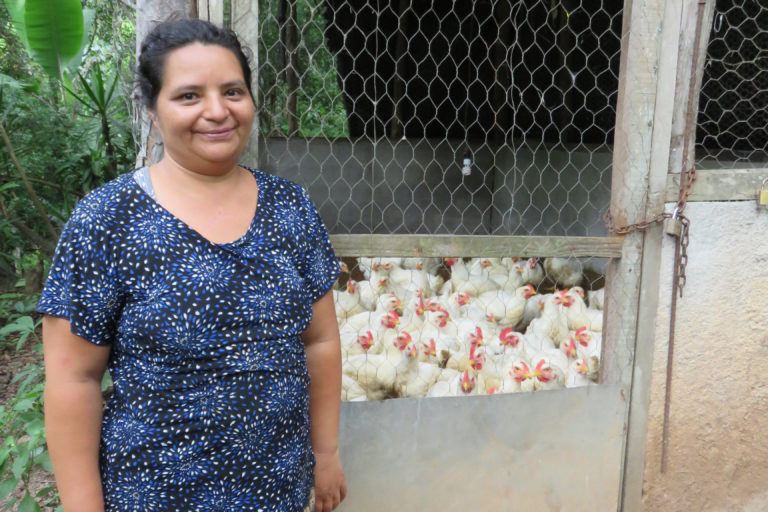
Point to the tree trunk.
(149, 13)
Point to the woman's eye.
(188, 96)
(234, 92)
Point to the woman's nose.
(215, 108)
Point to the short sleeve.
(317, 263)
(82, 285)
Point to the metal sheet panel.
(545, 451)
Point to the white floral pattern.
(210, 404)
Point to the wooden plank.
(679, 78)
(645, 44)
(720, 185)
(211, 10)
(476, 246)
(637, 418)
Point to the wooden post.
(148, 15)
(674, 123)
(246, 22)
(644, 22)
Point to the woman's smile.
(218, 134)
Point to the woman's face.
(203, 110)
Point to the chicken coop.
(493, 174)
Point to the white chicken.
(583, 371)
(462, 384)
(474, 358)
(370, 292)
(549, 370)
(380, 265)
(577, 313)
(376, 373)
(551, 324)
(376, 321)
(348, 301)
(417, 377)
(505, 309)
(408, 283)
(533, 309)
(351, 390)
(437, 330)
(429, 265)
(508, 341)
(563, 272)
(588, 343)
(529, 270)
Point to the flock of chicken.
(407, 331)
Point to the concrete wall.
(718, 447)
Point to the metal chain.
(687, 179)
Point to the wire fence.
(459, 118)
(733, 110)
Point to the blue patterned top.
(210, 404)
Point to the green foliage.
(72, 131)
(54, 31)
(69, 136)
(23, 450)
(66, 147)
(320, 105)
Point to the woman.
(217, 323)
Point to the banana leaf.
(55, 32)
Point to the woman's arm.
(74, 368)
(321, 340)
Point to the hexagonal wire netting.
(733, 108)
(459, 118)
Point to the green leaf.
(21, 464)
(78, 98)
(54, 32)
(7, 487)
(89, 15)
(16, 10)
(24, 405)
(28, 504)
(45, 461)
(35, 427)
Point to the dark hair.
(170, 35)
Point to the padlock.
(673, 226)
(762, 195)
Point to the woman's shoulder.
(102, 206)
(278, 187)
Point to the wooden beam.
(720, 185)
(476, 246)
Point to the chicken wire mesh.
(460, 118)
(733, 109)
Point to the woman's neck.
(192, 182)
